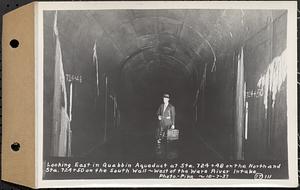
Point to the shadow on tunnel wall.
(116, 72)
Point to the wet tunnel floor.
(143, 147)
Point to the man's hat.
(166, 96)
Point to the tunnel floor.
(141, 145)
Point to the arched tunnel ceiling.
(189, 37)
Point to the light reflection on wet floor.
(167, 150)
(145, 147)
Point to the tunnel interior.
(121, 62)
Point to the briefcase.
(172, 134)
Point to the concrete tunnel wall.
(147, 53)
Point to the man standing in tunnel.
(166, 117)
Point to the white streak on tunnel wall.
(200, 93)
(239, 110)
(95, 60)
(246, 121)
(273, 79)
(71, 101)
(214, 54)
(61, 121)
(245, 109)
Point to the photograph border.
(291, 6)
